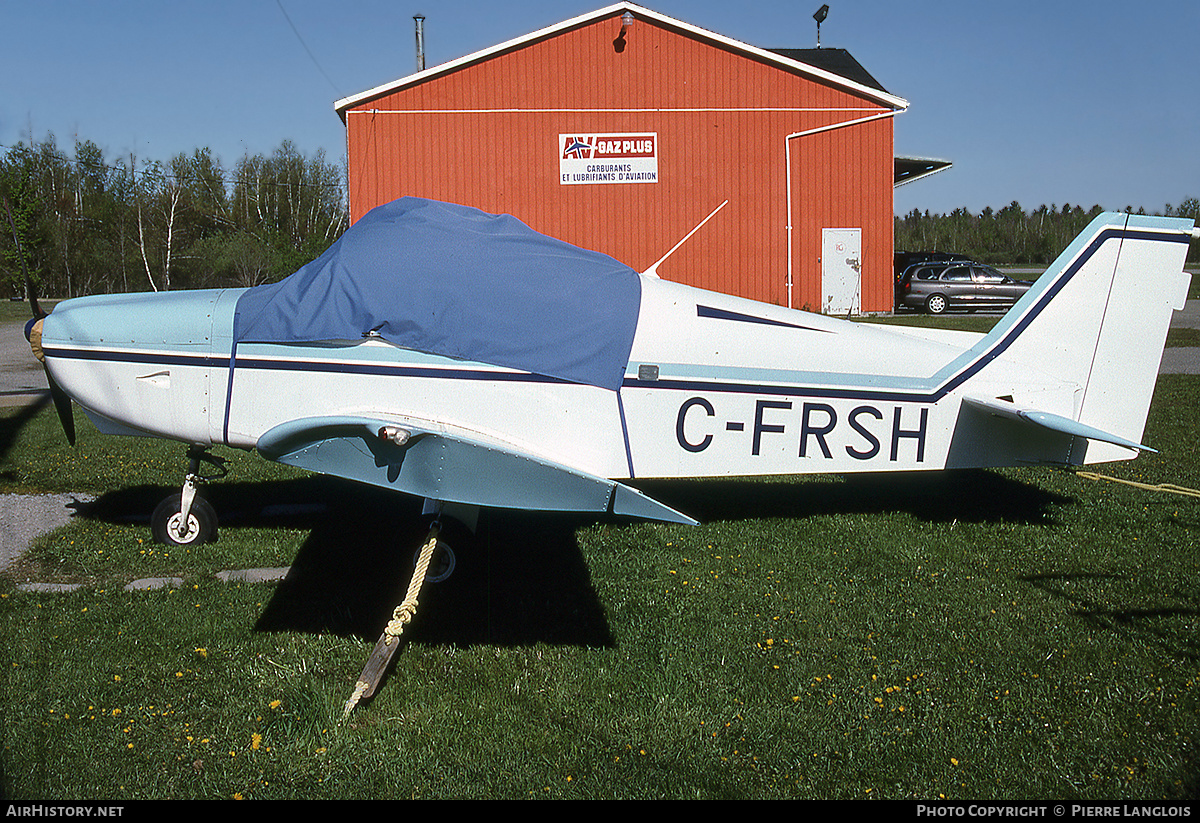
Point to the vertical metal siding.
(487, 135)
(842, 179)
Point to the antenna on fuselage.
(653, 270)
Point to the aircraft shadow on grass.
(11, 426)
(523, 578)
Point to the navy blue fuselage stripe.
(724, 314)
(152, 358)
(385, 369)
(917, 395)
(232, 369)
(1044, 300)
(951, 383)
(215, 361)
(625, 435)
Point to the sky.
(1042, 103)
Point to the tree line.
(86, 223)
(1013, 235)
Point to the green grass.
(1009, 635)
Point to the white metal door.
(841, 271)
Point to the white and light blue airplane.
(462, 358)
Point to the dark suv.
(937, 287)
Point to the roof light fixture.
(819, 15)
(626, 21)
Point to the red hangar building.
(624, 130)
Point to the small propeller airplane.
(463, 358)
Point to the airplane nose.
(140, 362)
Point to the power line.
(311, 56)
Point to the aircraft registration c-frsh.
(465, 359)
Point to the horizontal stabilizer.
(440, 465)
(1053, 422)
(629, 502)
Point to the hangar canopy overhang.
(909, 169)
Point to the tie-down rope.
(401, 616)
(1154, 487)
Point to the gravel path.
(25, 517)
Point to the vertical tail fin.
(1098, 319)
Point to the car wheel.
(936, 304)
(167, 526)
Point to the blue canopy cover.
(455, 281)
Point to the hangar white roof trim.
(639, 12)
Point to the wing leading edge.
(449, 467)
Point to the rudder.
(1098, 319)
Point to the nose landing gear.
(186, 519)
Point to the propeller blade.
(62, 404)
(62, 400)
(33, 333)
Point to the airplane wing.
(441, 465)
(1047, 420)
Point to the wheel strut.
(187, 518)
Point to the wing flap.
(443, 466)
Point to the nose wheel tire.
(441, 565)
(168, 527)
